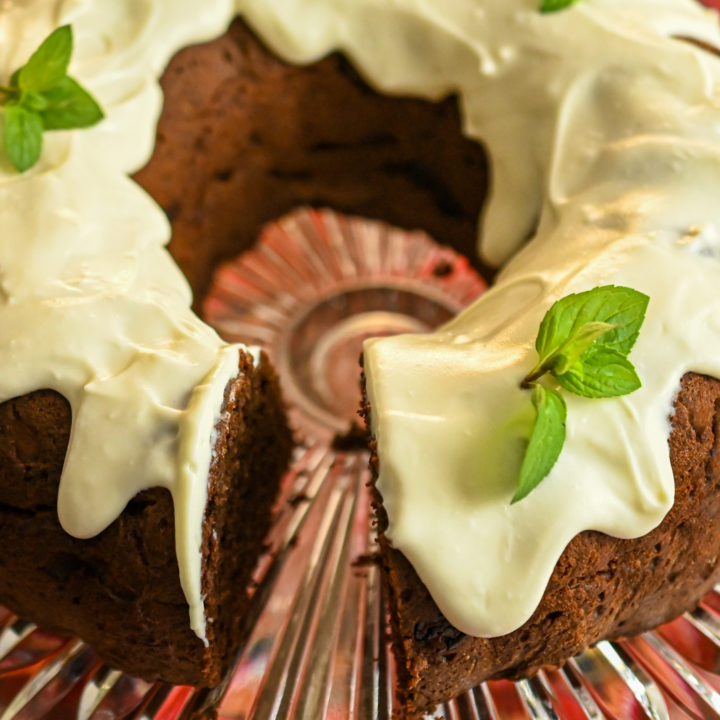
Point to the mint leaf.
(546, 440)
(42, 97)
(23, 136)
(48, 65)
(34, 101)
(625, 308)
(547, 6)
(8, 94)
(70, 106)
(565, 322)
(571, 350)
(601, 372)
(583, 341)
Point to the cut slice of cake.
(120, 591)
(140, 454)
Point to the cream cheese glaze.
(604, 132)
(598, 124)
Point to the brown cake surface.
(601, 588)
(244, 138)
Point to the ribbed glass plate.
(315, 638)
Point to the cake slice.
(120, 591)
(140, 454)
(601, 588)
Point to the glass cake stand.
(315, 645)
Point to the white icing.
(606, 130)
(91, 304)
(596, 122)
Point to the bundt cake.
(601, 131)
(120, 590)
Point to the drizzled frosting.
(604, 133)
(598, 125)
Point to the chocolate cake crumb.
(354, 439)
(442, 269)
(120, 591)
(366, 560)
(298, 499)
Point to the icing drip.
(603, 134)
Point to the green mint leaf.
(546, 440)
(23, 136)
(48, 65)
(70, 106)
(564, 323)
(33, 101)
(600, 372)
(547, 6)
(583, 341)
(569, 352)
(41, 97)
(9, 95)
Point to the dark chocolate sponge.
(245, 138)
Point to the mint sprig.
(583, 343)
(23, 136)
(548, 6)
(41, 96)
(546, 439)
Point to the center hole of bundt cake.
(319, 283)
(319, 353)
(244, 138)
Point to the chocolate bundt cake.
(597, 150)
(600, 588)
